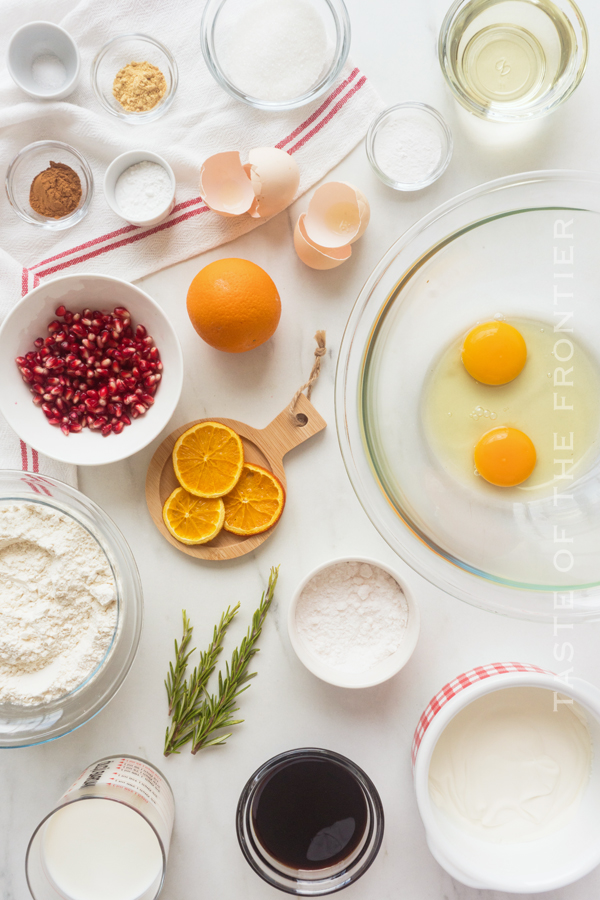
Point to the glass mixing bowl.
(500, 248)
(22, 726)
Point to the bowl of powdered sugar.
(70, 609)
(353, 622)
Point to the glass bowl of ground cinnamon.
(50, 184)
(134, 77)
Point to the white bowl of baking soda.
(140, 187)
(353, 622)
(507, 777)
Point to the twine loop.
(320, 351)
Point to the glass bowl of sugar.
(275, 54)
(409, 146)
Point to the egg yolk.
(505, 456)
(494, 353)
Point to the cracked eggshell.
(225, 186)
(275, 177)
(314, 256)
(337, 215)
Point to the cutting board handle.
(283, 434)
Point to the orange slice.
(208, 459)
(193, 520)
(255, 503)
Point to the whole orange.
(233, 305)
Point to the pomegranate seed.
(90, 368)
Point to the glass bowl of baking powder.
(72, 606)
(409, 146)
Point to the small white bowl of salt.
(43, 60)
(353, 622)
(140, 187)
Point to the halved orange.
(193, 520)
(208, 459)
(255, 503)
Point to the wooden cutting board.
(263, 446)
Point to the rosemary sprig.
(186, 696)
(218, 709)
(196, 714)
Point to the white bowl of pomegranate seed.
(91, 369)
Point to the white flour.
(407, 151)
(143, 191)
(352, 616)
(57, 604)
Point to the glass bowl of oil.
(513, 60)
(523, 249)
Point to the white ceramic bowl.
(38, 39)
(521, 868)
(29, 319)
(116, 169)
(377, 674)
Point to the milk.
(97, 849)
(108, 837)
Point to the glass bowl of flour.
(353, 622)
(70, 609)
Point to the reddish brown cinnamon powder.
(55, 192)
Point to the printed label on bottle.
(137, 777)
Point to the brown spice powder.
(139, 86)
(55, 192)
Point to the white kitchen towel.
(202, 120)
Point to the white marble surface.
(394, 42)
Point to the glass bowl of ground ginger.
(50, 184)
(134, 78)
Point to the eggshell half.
(337, 215)
(275, 177)
(314, 256)
(225, 186)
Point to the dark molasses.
(310, 813)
